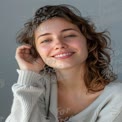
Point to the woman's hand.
(26, 61)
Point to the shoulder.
(114, 91)
(115, 87)
(113, 99)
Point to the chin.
(63, 66)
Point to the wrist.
(28, 77)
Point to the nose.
(60, 43)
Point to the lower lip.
(64, 57)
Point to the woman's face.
(60, 44)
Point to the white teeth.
(62, 55)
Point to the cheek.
(79, 44)
(43, 51)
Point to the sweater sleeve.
(28, 103)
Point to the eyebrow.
(67, 29)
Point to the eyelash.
(45, 41)
(72, 35)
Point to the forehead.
(55, 24)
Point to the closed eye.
(45, 41)
(70, 36)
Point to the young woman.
(65, 72)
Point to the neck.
(71, 79)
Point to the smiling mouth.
(64, 55)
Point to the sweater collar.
(53, 97)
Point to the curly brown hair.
(99, 70)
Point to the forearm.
(26, 94)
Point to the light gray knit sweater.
(35, 100)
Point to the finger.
(27, 51)
(22, 48)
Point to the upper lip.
(61, 53)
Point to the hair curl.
(98, 68)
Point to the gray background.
(106, 14)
